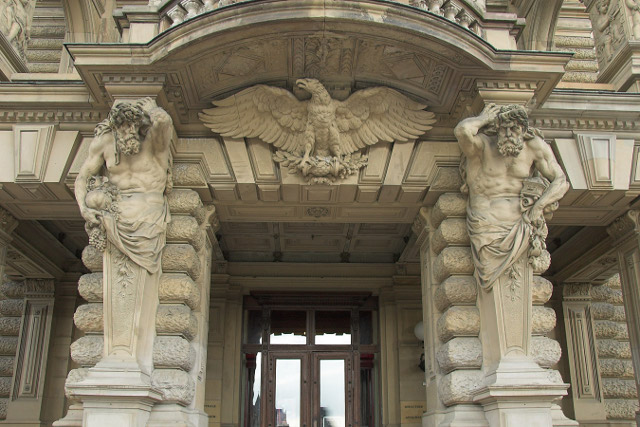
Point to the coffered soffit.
(346, 47)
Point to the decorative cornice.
(584, 124)
(48, 116)
(624, 225)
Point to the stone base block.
(171, 414)
(456, 416)
(73, 417)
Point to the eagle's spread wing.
(272, 114)
(380, 114)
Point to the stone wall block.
(179, 288)
(92, 258)
(88, 318)
(12, 290)
(449, 205)
(181, 258)
(6, 366)
(8, 346)
(602, 310)
(456, 290)
(543, 320)
(607, 329)
(600, 293)
(176, 319)
(87, 350)
(11, 307)
(458, 321)
(176, 385)
(615, 388)
(90, 287)
(612, 367)
(620, 409)
(185, 229)
(459, 386)
(453, 260)
(450, 232)
(613, 349)
(188, 175)
(5, 386)
(541, 290)
(10, 326)
(173, 352)
(545, 351)
(3, 408)
(619, 314)
(460, 353)
(183, 201)
(615, 297)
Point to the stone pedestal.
(516, 391)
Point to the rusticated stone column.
(453, 351)
(7, 224)
(625, 232)
(11, 308)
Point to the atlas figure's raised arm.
(91, 166)
(161, 124)
(467, 130)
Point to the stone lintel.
(134, 86)
(503, 92)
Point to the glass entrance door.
(310, 389)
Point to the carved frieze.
(608, 26)
(321, 138)
(15, 22)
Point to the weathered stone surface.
(179, 288)
(458, 321)
(173, 352)
(616, 368)
(188, 175)
(600, 293)
(615, 297)
(458, 386)
(176, 319)
(613, 349)
(6, 366)
(545, 351)
(184, 228)
(543, 320)
(615, 388)
(10, 326)
(607, 329)
(87, 350)
(449, 205)
(176, 385)
(619, 314)
(456, 290)
(12, 290)
(88, 317)
(11, 307)
(90, 287)
(73, 377)
(92, 258)
(623, 331)
(602, 310)
(541, 263)
(8, 345)
(451, 231)
(3, 408)
(541, 290)
(183, 201)
(181, 258)
(447, 179)
(453, 260)
(620, 409)
(5, 386)
(460, 353)
(614, 282)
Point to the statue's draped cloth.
(140, 230)
(495, 246)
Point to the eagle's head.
(313, 86)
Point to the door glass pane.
(333, 327)
(254, 377)
(332, 411)
(288, 392)
(288, 327)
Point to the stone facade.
(180, 160)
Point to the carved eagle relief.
(320, 137)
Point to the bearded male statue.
(513, 180)
(127, 214)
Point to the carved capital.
(624, 225)
(576, 291)
(36, 288)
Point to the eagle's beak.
(301, 83)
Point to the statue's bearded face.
(130, 125)
(510, 138)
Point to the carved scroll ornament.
(320, 138)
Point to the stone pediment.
(347, 45)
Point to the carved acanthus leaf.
(624, 224)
